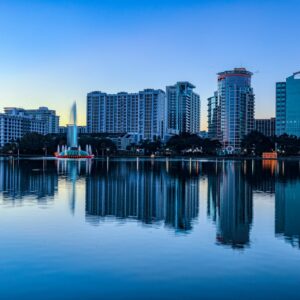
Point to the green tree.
(32, 143)
(255, 143)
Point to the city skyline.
(86, 47)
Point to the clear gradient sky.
(54, 52)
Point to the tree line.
(37, 144)
(254, 144)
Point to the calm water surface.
(149, 229)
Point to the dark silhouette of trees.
(255, 143)
(100, 145)
(150, 147)
(192, 142)
(288, 145)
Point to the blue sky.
(54, 52)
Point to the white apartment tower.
(139, 113)
(183, 108)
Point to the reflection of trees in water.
(263, 174)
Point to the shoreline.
(158, 157)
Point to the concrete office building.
(265, 126)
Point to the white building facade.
(136, 113)
(14, 127)
(47, 116)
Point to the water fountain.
(73, 150)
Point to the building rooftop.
(297, 75)
(235, 72)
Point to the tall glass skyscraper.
(231, 110)
(287, 106)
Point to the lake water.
(149, 229)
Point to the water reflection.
(287, 211)
(144, 192)
(20, 179)
(73, 171)
(166, 192)
(230, 204)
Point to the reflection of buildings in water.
(287, 211)
(213, 193)
(146, 194)
(182, 202)
(119, 192)
(25, 178)
(230, 204)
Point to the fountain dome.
(74, 153)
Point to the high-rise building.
(234, 108)
(96, 112)
(140, 113)
(213, 117)
(115, 113)
(151, 114)
(280, 107)
(47, 116)
(287, 106)
(265, 126)
(183, 108)
(14, 125)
